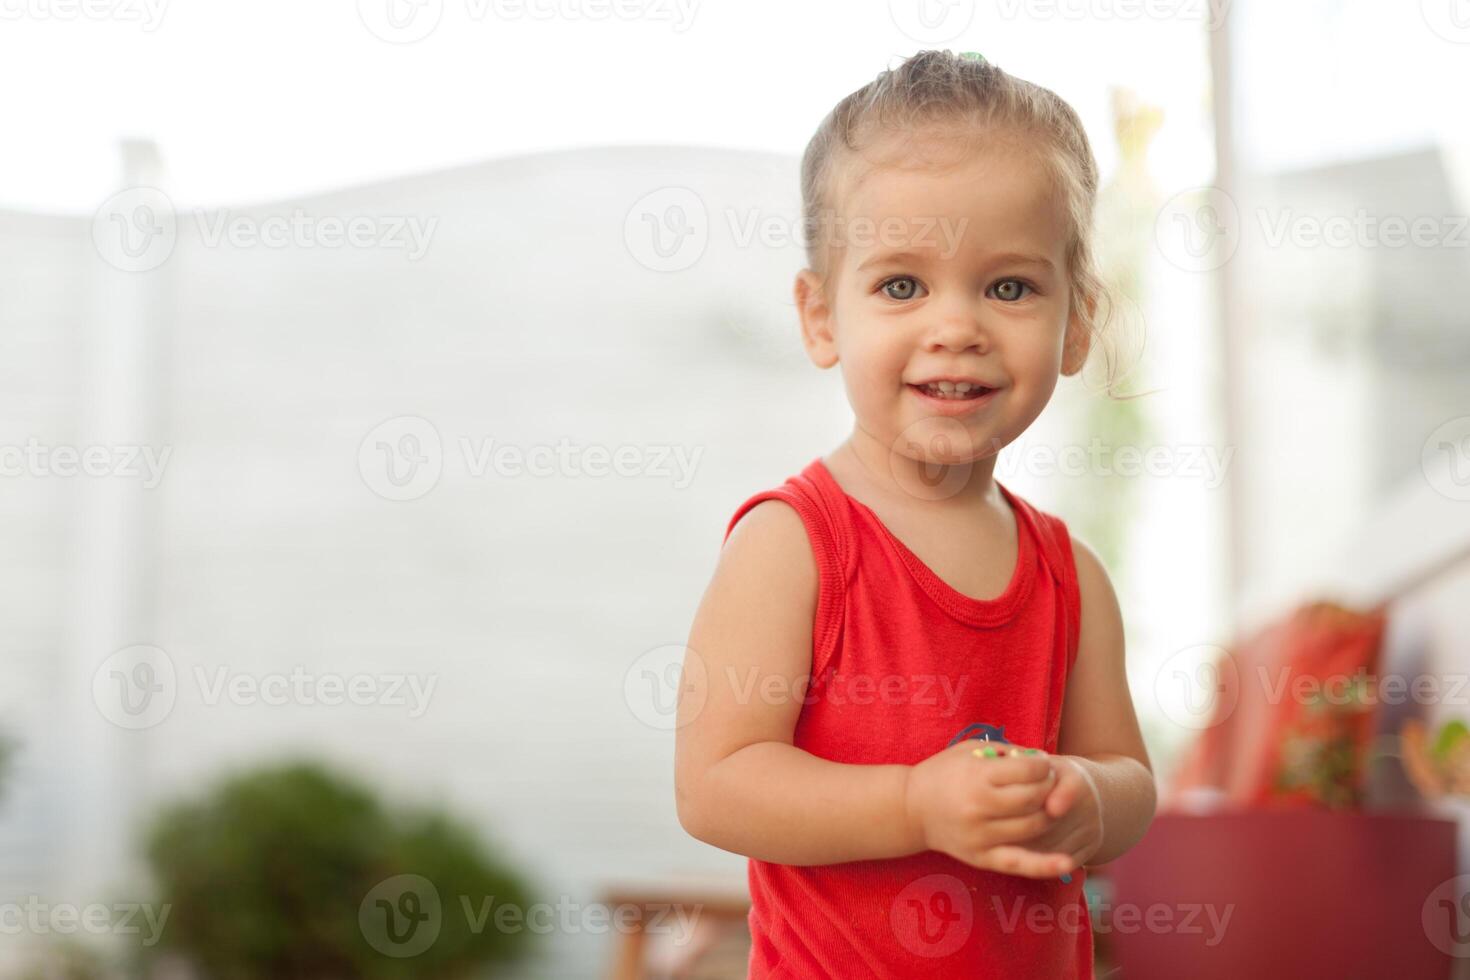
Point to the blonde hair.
(937, 89)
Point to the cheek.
(870, 351)
(1038, 353)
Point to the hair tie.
(974, 56)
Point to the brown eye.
(1010, 290)
(900, 287)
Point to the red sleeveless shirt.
(902, 664)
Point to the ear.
(1078, 340)
(816, 319)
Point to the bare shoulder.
(1102, 618)
(753, 624)
(765, 583)
(771, 531)
(1092, 577)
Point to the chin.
(942, 441)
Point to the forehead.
(995, 197)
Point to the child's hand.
(979, 810)
(1076, 827)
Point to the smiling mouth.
(952, 390)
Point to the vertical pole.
(112, 547)
(1231, 331)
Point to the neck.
(891, 472)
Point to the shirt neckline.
(977, 612)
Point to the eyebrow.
(1007, 258)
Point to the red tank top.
(902, 664)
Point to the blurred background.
(378, 378)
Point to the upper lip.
(956, 378)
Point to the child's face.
(946, 277)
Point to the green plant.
(279, 873)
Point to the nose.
(956, 327)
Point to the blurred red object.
(1288, 894)
(1293, 714)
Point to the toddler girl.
(904, 696)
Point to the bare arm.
(740, 783)
(1099, 728)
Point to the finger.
(1015, 799)
(1014, 829)
(1064, 795)
(1026, 863)
(1050, 841)
(1058, 837)
(1007, 770)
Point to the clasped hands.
(1033, 815)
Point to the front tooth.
(962, 387)
(945, 386)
